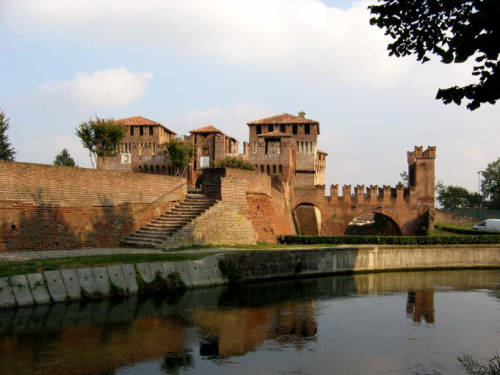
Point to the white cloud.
(303, 40)
(104, 88)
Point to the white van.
(488, 224)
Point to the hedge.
(459, 230)
(389, 240)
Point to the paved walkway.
(16, 256)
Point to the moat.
(397, 323)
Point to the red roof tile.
(284, 118)
(206, 129)
(139, 120)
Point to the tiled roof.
(275, 134)
(323, 152)
(206, 129)
(284, 118)
(139, 120)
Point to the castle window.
(274, 169)
(283, 128)
(131, 130)
(262, 168)
(140, 168)
(163, 169)
(268, 169)
(308, 129)
(141, 130)
(294, 129)
(270, 128)
(259, 129)
(281, 169)
(150, 130)
(158, 169)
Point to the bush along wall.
(458, 230)
(390, 240)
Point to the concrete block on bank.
(38, 288)
(21, 290)
(184, 270)
(86, 281)
(168, 268)
(55, 285)
(7, 299)
(156, 268)
(196, 267)
(101, 281)
(116, 277)
(145, 272)
(71, 283)
(212, 270)
(128, 271)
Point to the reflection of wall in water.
(421, 304)
(237, 331)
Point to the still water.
(386, 323)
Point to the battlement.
(370, 193)
(420, 153)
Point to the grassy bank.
(40, 265)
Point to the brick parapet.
(48, 207)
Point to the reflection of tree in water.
(173, 362)
(473, 367)
(421, 304)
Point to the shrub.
(231, 162)
(390, 240)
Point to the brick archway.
(386, 226)
(307, 218)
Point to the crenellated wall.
(404, 206)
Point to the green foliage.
(490, 185)
(390, 240)
(473, 367)
(170, 285)
(117, 292)
(232, 162)
(6, 150)
(460, 230)
(457, 197)
(101, 138)
(404, 179)
(180, 153)
(230, 270)
(64, 159)
(452, 30)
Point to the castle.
(285, 147)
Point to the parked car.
(488, 224)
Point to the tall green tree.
(450, 196)
(64, 159)
(453, 30)
(490, 185)
(6, 150)
(180, 153)
(101, 138)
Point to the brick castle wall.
(48, 207)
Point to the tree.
(490, 185)
(6, 150)
(454, 30)
(457, 197)
(180, 153)
(232, 162)
(404, 179)
(101, 138)
(64, 159)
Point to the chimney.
(302, 114)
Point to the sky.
(190, 63)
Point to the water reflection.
(214, 324)
(420, 304)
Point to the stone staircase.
(158, 230)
